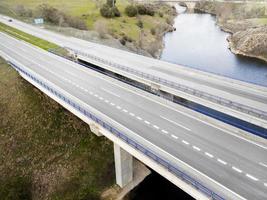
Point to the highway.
(240, 93)
(216, 157)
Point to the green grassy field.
(47, 152)
(88, 10)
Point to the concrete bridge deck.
(236, 98)
(169, 138)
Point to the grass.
(45, 150)
(31, 39)
(89, 11)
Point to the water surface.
(199, 43)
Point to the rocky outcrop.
(251, 42)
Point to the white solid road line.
(176, 123)
(222, 161)
(252, 177)
(237, 169)
(262, 164)
(209, 155)
(185, 142)
(196, 148)
(174, 136)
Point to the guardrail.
(174, 170)
(215, 99)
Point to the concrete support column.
(123, 166)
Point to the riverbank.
(142, 34)
(247, 24)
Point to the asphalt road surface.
(234, 162)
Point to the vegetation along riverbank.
(247, 23)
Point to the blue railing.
(174, 170)
(183, 88)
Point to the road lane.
(145, 110)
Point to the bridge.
(204, 157)
(207, 93)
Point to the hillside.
(142, 32)
(46, 152)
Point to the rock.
(251, 42)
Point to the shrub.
(140, 24)
(109, 12)
(153, 31)
(122, 41)
(145, 9)
(131, 11)
(160, 14)
(54, 16)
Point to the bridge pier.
(123, 166)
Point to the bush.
(109, 12)
(153, 31)
(131, 11)
(160, 14)
(140, 24)
(145, 9)
(54, 16)
(123, 41)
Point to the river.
(199, 43)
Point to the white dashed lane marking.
(263, 164)
(265, 184)
(163, 131)
(139, 118)
(118, 107)
(252, 177)
(156, 127)
(124, 110)
(147, 122)
(185, 142)
(112, 104)
(237, 169)
(106, 101)
(209, 155)
(222, 161)
(174, 136)
(132, 114)
(196, 148)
